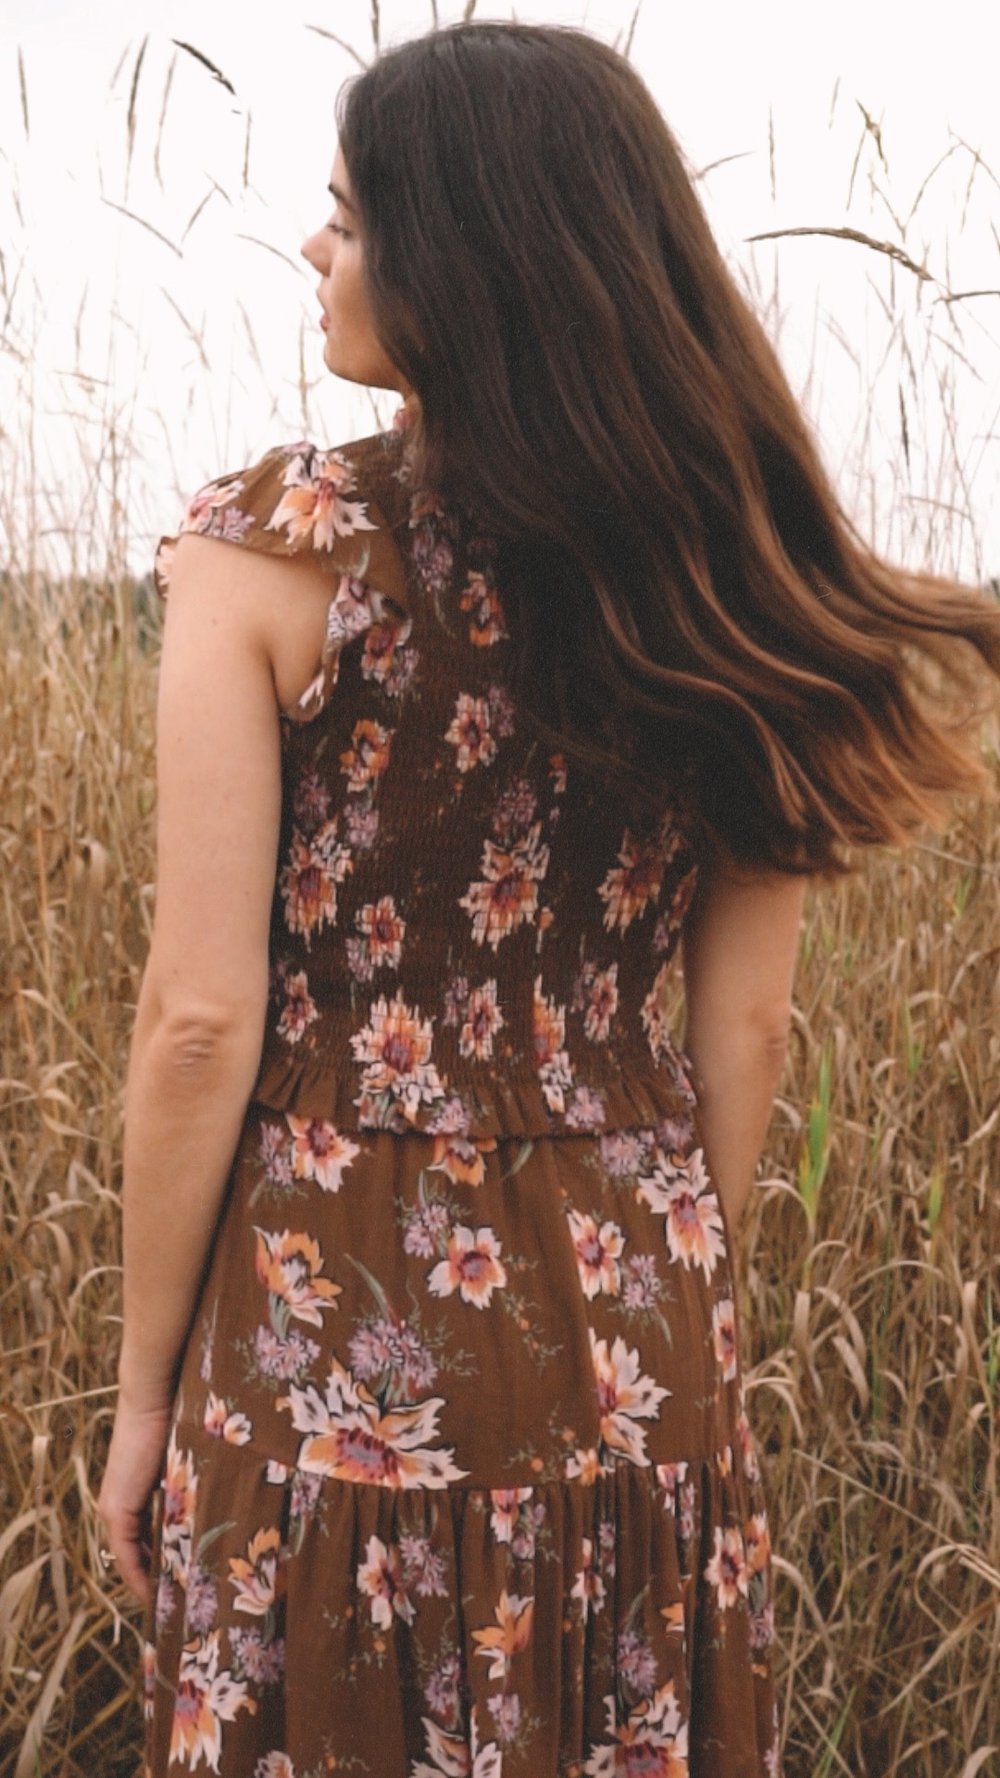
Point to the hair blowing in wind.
(692, 602)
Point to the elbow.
(202, 1042)
(770, 1027)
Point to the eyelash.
(335, 229)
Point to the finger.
(134, 1572)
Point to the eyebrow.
(341, 197)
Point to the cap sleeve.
(300, 499)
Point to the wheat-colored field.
(870, 1258)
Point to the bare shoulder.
(277, 604)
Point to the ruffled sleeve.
(300, 499)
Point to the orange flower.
(308, 881)
(288, 1265)
(259, 1577)
(508, 895)
(511, 1634)
(506, 1504)
(313, 509)
(203, 505)
(727, 1569)
(234, 1428)
(678, 1189)
(368, 755)
(487, 624)
(597, 1254)
(396, 1047)
(320, 1152)
(653, 1013)
(758, 1543)
(349, 1437)
(205, 1700)
(588, 1586)
(548, 1029)
(724, 1336)
(629, 890)
(380, 1578)
(482, 1019)
(624, 1396)
(602, 1003)
(380, 648)
(472, 1267)
(299, 1009)
(586, 1465)
(654, 1737)
(180, 1494)
(461, 1158)
(383, 929)
(469, 733)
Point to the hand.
(134, 1466)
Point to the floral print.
(459, 1483)
(574, 898)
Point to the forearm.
(739, 1075)
(184, 1108)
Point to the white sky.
(154, 414)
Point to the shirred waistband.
(637, 1094)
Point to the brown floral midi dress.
(459, 1481)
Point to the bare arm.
(200, 1018)
(740, 945)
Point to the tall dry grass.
(870, 1258)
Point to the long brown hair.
(691, 599)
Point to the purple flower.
(762, 1627)
(311, 800)
(606, 1545)
(262, 1662)
(642, 1285)
(380, 1345)
(685, 1518)
(674, 1133)
(423, 1228)
(501, 711)
(362, 826)
(636, 1663)
(202, 1603)
(529, 1523)
(506, 1713)
(166, 1601)
(433, 558)
(441, 1691)
(585, 1111)
(284, 1358)
(274, 1153)
(515, 810)
(450, 1119)
(231, 524)
(455, 996)
(305, 1493)
(422, 1566)
(624, 1151)
(359, 960)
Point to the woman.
(430, 1455)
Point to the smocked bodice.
(470, 934)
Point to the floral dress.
(459, 1481)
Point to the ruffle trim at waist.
(637, 1094)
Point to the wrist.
(144, 1390)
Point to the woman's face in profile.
(351, 348)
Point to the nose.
(308, 251)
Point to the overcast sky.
(187, 342)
